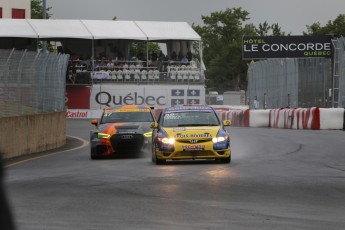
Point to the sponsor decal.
(178, 129)
(105, 98)
(197, 147)
(126, 137)
(198, 128)
(286, 47)
(193, 135)
(76, 114)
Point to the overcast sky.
(291, 15)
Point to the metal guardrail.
(31, 82)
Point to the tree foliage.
(222, 37)
(138, 48)
(37, 10)
(222, 34)
(335, 28)
(265, 29)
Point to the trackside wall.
(285, 118)
(27, 134)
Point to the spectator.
(180, 56)
(173, 56)
(184, 61)
(189, 55)
(161, 56)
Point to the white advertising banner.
(158, 96)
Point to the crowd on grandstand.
(176, 67)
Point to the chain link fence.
(298, 82)
(339, 72)
(31, 82)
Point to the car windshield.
(190, 118)
(127, 117)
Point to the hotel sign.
(286, 47)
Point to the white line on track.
(85, 143)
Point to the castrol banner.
(83, 113)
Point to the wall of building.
(8, 5)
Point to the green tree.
(36, 10)
(221, 35)
(141, 48)
(336, 27)
(222, 48)
(265, 29)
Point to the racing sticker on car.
(193, 147)
(178, 129)
(193, 135)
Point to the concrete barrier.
(285, 118)
(333, 118)
(32, 133)
(298, 118)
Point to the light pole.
(44, 16)
(44, 13)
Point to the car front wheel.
(154, 156)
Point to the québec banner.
(262, 47)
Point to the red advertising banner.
(77, 97)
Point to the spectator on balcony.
(184, 61)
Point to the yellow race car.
(190, 132)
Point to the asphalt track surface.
(278, 179)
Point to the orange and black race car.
(125, 129)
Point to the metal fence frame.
(31, 83)
(298, 82)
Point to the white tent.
(59, 29)
(114, 30)
(19, 28)
(97, 29)
(155, 30)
